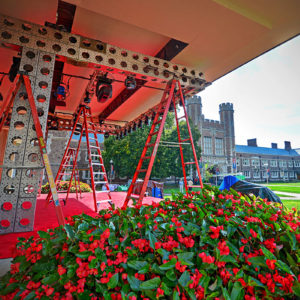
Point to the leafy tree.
(126, 153)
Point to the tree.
(126, 153)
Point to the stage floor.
(45, 217)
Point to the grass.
(288, 189)
(282, 195)
(289, 203)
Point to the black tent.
(245, 187)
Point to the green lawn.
(291, 203)
(288, 189)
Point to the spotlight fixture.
(134, 127)
(60, 93)
(140, 124)
(106, 135)
(130, 83)
(121, 135)
(125, 132)
(152, 117)
(129, 129)
(103, 89)
(171, 107)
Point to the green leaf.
(171, 275)
(232, 248)
(284, 267)
(50, 279)
(228, 258)
(185, 258)
(168, 265)
(30, 296)
(136, 264)
(100, 254)
(152, 240)
(225, 294)
(296, 289)
(83, 226)
(150, 284)
(257, 260)
(175, 295)
(268, 254)
(44, 234)
(134, 283)
(113, 281)
(70, 231)
(9, 289)
(184, 279)
(237, 291)
(166, 289)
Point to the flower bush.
(209, 244)
(64, 185)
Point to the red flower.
(206, 258)
(224, 249)
(61, 270)
(253, 233)
(180, 267)
(215, 231)
(159, 293)
(271, 263)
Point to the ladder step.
(190, 163)
(157, 122)
(146, 157)
(185, 140)
(100, 192)
(181, 117)
(96, 173)
(95, 147)
(150, 145)
(62, 173)
(67, 165)
(100, 182)
(142, 170)
(96, 164)
(154, 133)
(195, 186)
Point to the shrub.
(209, 244)
(63, 186)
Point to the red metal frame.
(42, 144)
(168, 96)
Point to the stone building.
(262, 163)
(255, 163)
(217, 136)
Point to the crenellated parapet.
(226, 106)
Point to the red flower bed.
(209, 245)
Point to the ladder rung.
(154, 133)
(146, 157)
(195, 186)
(185, 140)
(102, 201)
(90, 131)
(72, 149)
(157, 122)
(67, 165)
(62, 173)
(142, 170)
(99, 192)
(189, 163)
(62, 191)
(96, 164)
(95, 173)
(150, 145)
(98, 182)
(94, 146)
(181, 117)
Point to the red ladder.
(84, 125)
(169, 96)
(66, 167)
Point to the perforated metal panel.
(19, 186)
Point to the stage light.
(121, 135)
(87, 98)
(130, 83)
(152, 117)
(117, 137)
(106, 135)
(171, 107)
(103, 89)
(134, 127)
(60, 93)
(125, 132)
(140, 124)
(129, 129)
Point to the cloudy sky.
(266, 97)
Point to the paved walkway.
(287, 195)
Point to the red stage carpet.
(45, 217)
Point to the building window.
(274, 174)
(246, 162)
(297, 163)
(255, 162)
(237, 162)
(219, 146)
(207, 145)
(286, 174)
(273, 163)
(247, 174)
(291, 174)
(256, 174)
(282, 164)
(290, 164)
(264, 162)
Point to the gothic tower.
(226, 117)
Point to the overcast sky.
(266, 97)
